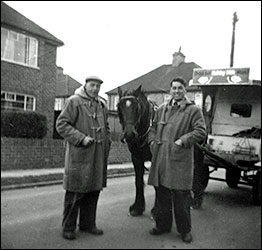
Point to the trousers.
(82, 204)
(168, 201)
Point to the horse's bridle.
(133, 98)
(130, 97)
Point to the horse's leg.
(148, 156)
(154, 209)
(139, 205)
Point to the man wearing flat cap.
(83, 124)
(93, 78)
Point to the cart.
(231, 105)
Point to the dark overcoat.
(85, 166)
(172, 165)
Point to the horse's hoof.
(135, 213)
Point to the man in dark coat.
(177, 126)
(83, 125)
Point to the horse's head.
(130, 111)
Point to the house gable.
(12, 18)
(65, 85)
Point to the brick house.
(156, 86)
(28, 65)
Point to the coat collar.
(182, 104)
(81, 92)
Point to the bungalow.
(156, 85)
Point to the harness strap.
(152, 112)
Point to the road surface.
(31, 218)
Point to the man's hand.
(179, 142)
(87, 141)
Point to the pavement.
(14, 179)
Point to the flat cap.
(94, 78)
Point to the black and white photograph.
(130, 125)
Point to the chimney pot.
(178, 58)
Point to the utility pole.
(235, 19)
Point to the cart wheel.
(257, 189)
(232, 177)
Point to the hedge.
(23, 124)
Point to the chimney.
(59, 70)
(178, 58)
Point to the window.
(241, 110)
(15, 101)
(113, 100)
(16, 47)
(59, 103)
(208, 103)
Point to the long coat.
(172, 165)
(85, 166)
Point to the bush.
(23, 124)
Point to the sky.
(122, 40)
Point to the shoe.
(157, 231)
(93, 230)
(197, 204)
(187, 237)
(69, 235)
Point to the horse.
(135, 115)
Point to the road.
(31, 219)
